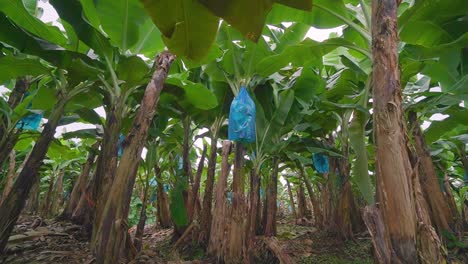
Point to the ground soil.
(38, 241)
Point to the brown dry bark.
(234, 250)
(439, 209)
(393, 169)
(291, 200)
(16, 199)
(46, 205)
(452, 204)
(11, 175)
(32, 205)
(253, 211)
(138, 240)
(112, 232)
(344, 212)
(80, 184)
(220, 216)
(301, 202)
(327, 217)
(317, 211)
(82, 212)
(106, 165)
(382, 247)
(347, 214)
(164, 215)
(58, 193)
(428, 243)
(205, 222)
(271, 194)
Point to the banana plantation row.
(240, 113)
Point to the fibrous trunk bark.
(220, 210)
(46, 205)
(327, 219)
(80, 184)
(32, 205)
(58, 193)
(106, 166)
(162, 201)
(393, 169)
(205, 222)
(317, 211)
(428, 243)
(138, 240)
(452, 204)
(236, 233)
(253, 211)
(439, 209)
(301, 202)
(270, 223)
(348, 217)
(291, 200)
(10, 177)
(112, 232)
(16, 199)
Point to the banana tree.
(14, 202)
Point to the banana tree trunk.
(106, 165)
(393, 169)
(112, 232)
(318, 217)
(236, 235)
(16, 199)
(220, 211)
(291, 200)
(301, 202)
(162, 201)
(32, 205)
(205, 221)
(82, 212)
(253, 211)
(346, 209)
(46, 205)
(10, 178)
(80, 184)
(272, 193)
(58, 193)
(439, 209)
(452, 204)
(138, 241)
(196, 184)
(429, 246)
(8, 140)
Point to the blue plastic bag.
(321, 163)
(153, 182)
(242, 118)
(153, 197)
(119, 143)
(29, 122)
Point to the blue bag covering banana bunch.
(320, 162)
(242, 118)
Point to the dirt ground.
(38, 241)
